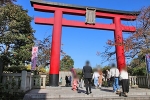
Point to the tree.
(138, 65)
(66, 63)
(137, 71)
(44, 47)
(139, 61)
(105, 68)
(138, 42)
(16, 35)
(44, 51)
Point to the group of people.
(122, 76)
(111, 76)
(68, 80)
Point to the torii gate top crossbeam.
(62, 5)
(45, 6)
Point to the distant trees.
(66, 63)
(44, 51)
(44, 48)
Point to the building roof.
(56, 4)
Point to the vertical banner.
(148, 62)
(34, 57)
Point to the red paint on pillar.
(120, 57)
(56, 43)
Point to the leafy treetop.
(16, 35)
(66, 63)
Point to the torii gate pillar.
(55, 49)
(120, 56)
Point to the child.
(75, 84)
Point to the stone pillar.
(23, 80)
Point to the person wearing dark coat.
(67, 81)
(87, 75)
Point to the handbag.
(112, 78)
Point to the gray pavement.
(65, 93)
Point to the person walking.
(100, 79)
(114, 76)
(74, 73)
(87, 74)
(124, 77)
(95, 78)
(75, 83)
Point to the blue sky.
(83, 44)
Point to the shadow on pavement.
(81, 91)
(107, 90)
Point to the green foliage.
(104, 84)
(66, 63)
(94, 69)
(19, 69)
(16, 69)
(28, 67)
(9, 91)
(42, 69)
(139, 61)
(16, 35)
(79, 73)
(105, 68)
(137, 71)
(138, 65)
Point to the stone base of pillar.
(54, 80)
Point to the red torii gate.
(58, 21)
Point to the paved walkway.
(51, 93)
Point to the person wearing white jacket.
(95, 77)
(124, 81)
(114, 74)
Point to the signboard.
(148, 62)
(90, 16)
(34, 57)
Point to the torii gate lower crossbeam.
(58, 21)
